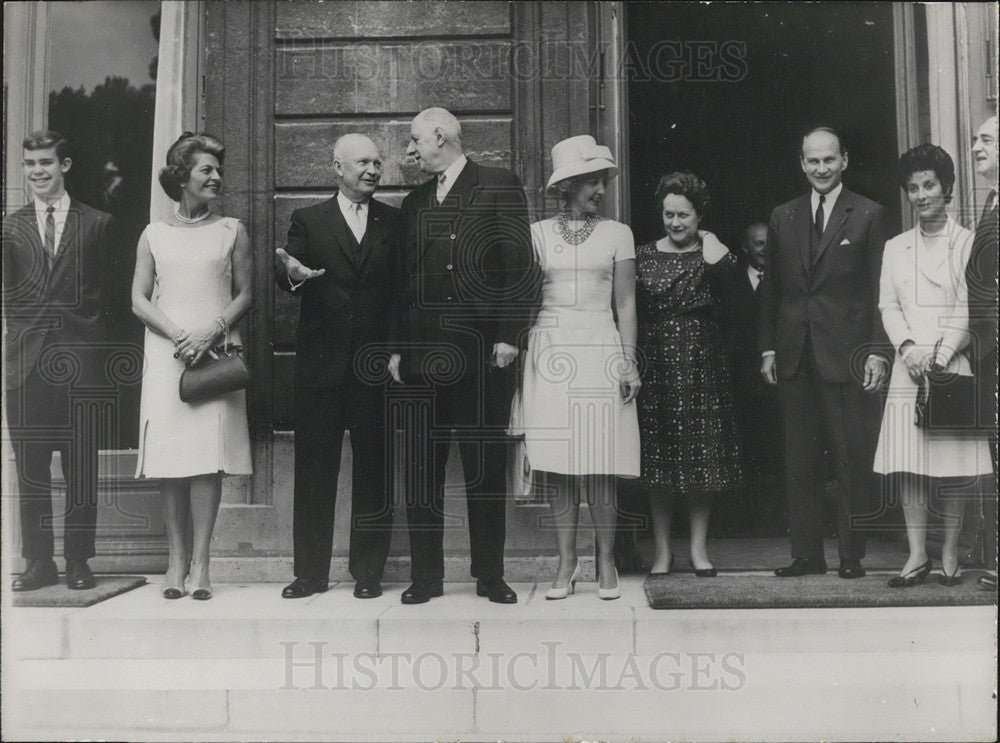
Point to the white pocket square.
(845, 241)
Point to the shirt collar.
(452, 171)
(831, 198)
(346, 204)
(61, 206)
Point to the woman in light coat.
(924, 305)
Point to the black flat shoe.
(955, 579)
(173, 593)
(802, 566)
(201, 594)
(367, 589)
(40, 573)
(421, 593)
(300, 588)
(706, 573)
(913, 578)
(669, 568)
(496, 590)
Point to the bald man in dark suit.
(824, 347)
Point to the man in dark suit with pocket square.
(55, 256)
(340, 259)
(824, 346)
(466, 289)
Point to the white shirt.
(355, 214)
(754, 275)
(59, 214)
(831, 199)
(447, 179)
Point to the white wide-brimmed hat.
(578, 155)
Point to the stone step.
(250, 665)
(253, 621)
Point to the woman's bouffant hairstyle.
(686, 184)
(180, 160)
(928, 157)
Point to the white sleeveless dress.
(193, 285)
(573, 419)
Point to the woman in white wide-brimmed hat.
(580, 372)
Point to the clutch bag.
(946, 401)
(212, 377)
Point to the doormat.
(686, 591)
(61, 596)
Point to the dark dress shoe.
(987, 581)
(300, 588)
(802, 566)
(421, 593)
(950, 580)
(367, 589)
(496, 590)
(40, 573)
(913, 578)
(851, 569)
(706, 573)
(78, 575)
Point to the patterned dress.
(688, 427)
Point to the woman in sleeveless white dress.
(580, 377)
(192, 283)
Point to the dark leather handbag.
(214, 376)
(946, 401)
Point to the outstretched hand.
(297, 272)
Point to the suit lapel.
(803, 224)
(29, 226)
(461, 192)
(342, 234)
(70, 229)
(841, 213)
(373, 231)
(442, 219)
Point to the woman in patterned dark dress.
(686, 419)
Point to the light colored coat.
(923, 296)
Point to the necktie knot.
(50, 210)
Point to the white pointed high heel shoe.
(610, 593)
(560, 593)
